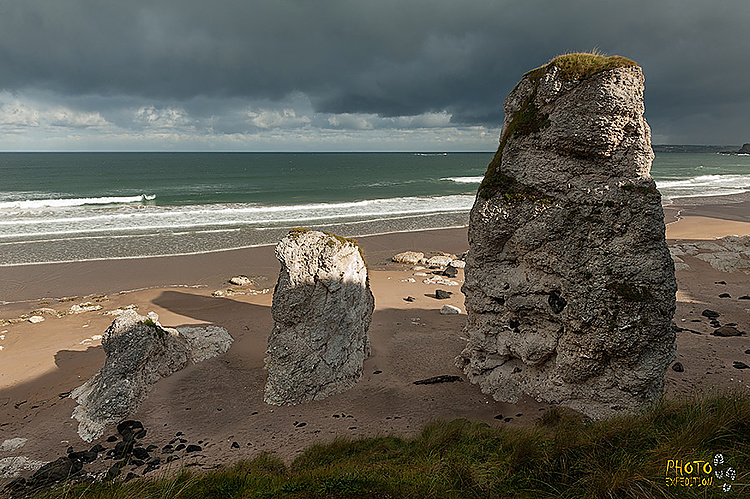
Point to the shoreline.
(220, 401)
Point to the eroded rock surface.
(140, 352)
(570, 287)
(322, 308)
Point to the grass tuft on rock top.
(581, 65)
(530, 119)
(563, 455)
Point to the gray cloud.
(231, 67)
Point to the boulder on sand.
(322, 308)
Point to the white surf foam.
(60, 203)
(464, 180)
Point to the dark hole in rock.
(556, 301)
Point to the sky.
(346, 75)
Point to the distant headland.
(686, 148)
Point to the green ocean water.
(81, 206)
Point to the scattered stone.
(84, 307)
(458, 264)
(12, 467)
(113, 438)
(377, 372)
(499, 416)
(677, 367)
(140, 453)
(450, 271)
(725, 295)
(443, 378)
(440, 281)
(139, 352)
(450, 310)
(409, 279)
(241, 280)
(409, 258)
(167, 449)
(56, 471)
(727, 331)
(235, 445)
(12, 444)
(442, 295)
(36, 319)
(567, 242)
(409, 299)
(440, 260)
(710, 314)
(193, 448)
(179, 447)
(720, 282)
(744, 297)
(322, 308)
(747, 351)
(740, 365)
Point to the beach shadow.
(207, 308)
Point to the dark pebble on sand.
(720, 282)
(677, 367)
(519, 415)
(409, 299)
(499, 416)
(711, 314)
(178, 434)
(725, 295)
(740, 365)
(172, 458)
(140, 453)
(377, 372)
(194, 448)
(180, 447)
(726, 331)
(151, 448)
(235, 445)
(744, 297)
(113, 438)
(747, 351)
(508, 420)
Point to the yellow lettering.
(670, 464)
(707, 468)
(688, 468)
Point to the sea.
(66, 207)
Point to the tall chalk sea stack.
(570, 288)
(322, 308)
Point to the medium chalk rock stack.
(322, 308)
(570, 288)
(140, 352)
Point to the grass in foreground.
(562, 456)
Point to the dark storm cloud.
(390, 58)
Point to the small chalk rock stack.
(322, 308)
(140, 352)
(570, 288)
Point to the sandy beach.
(219, 402)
